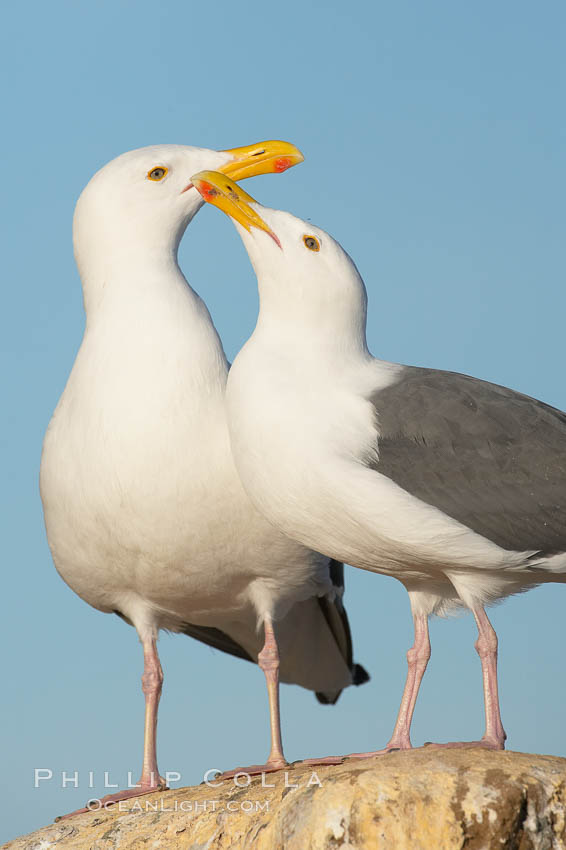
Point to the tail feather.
(339, 625)
(294, 630)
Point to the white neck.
(140, 302)
(316, 331)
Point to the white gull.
(454, 486)
(144, 511)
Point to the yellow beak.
(264, 158)
(221, 192)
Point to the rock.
(424, 799)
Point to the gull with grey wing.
(454, 486)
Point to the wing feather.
(489, 457)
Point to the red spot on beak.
(282, 164)
(206, 190)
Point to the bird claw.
(254, 769)
(319, 761)
(484, 743)
(95, 804)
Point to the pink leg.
(417, 659)
(268, 660)
(152, 681)
(486, 647)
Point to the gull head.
(304, 276)
(139, 204)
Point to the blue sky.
(434, 142)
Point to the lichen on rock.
(423, 799)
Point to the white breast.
(140, 492)
(300, 435)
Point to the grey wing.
(333, 614)
(489, 457)
(337, 621)
(210, 636)
(217, 639)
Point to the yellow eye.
(311, 243)
(157, 173)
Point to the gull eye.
(312, 243)
(157, 173)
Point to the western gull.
(454, 486)
(144, 511)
